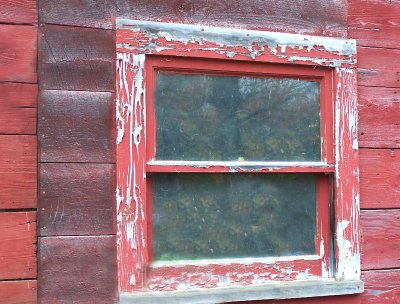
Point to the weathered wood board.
(18, 171)
(379, 117)
(307, 17)
(17, 245)
(18, 11)
(76, 199)
(380, 242)
(379, 178)
(73, 58)
(18, 292)
(77, 270)
(18, 53)
(76, 127)
(375, 23)
(381, 286)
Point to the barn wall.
(18, 151)
(76, 253)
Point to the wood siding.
(76, 121)
(18, 151)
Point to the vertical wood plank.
(77, 270)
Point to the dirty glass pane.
(233, 118)
(198, 216)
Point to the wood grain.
(374, 23)
(381, 286)
(76, 199)
(76, 126)
(380, 243)
(379, 117)
(77, 270)
(74, 58)
(18, 292)
(380, 178)
(18, 95)
(18, 171)
(311, 17)
(18, 11)
(17, 245)
(18, 53)
(378, 67)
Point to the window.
(237, 164)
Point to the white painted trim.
(269, 260)
(273, 290)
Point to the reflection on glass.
(231, 118)
(199, 216)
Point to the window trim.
(138, 39)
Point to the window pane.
(197, 216)
(229, 118)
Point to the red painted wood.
(74, 58)
(379, 178)
(312, 17)
(76, 199)
(374, 23)
(379, 117)
(18, 95)
(18, 11)
(378, 67)
(77, 270)
(380, 244)
(381, 286)
(18, 292)
(18, 53)
(76, 126)
(17, 245)
(18, 172)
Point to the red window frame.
(143, 47)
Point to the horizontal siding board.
(76, 199)
(18, 95)
(77, 270)
(18, 171)
(379, 117)
(17, 245)
(379, 178)
(73, 58)
(18, 292)
(76, 126)
(374, 23)
(18, 53)
(311, 17)
(18, 11)
(380, 242)
(381, 286)
(378, 67)
(18, 121)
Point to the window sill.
(274, 290)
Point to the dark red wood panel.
(76, 126)
(17, 245)
(312, 17)
(74, 58)
(76, 199)
(380, 242)
(18, 292)
(77, 270)
(18, 171)
(18, 53)
(380, 178)
(379, 67)
(374, 23)
(381, 286)
(379, 117)
(18, 11)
